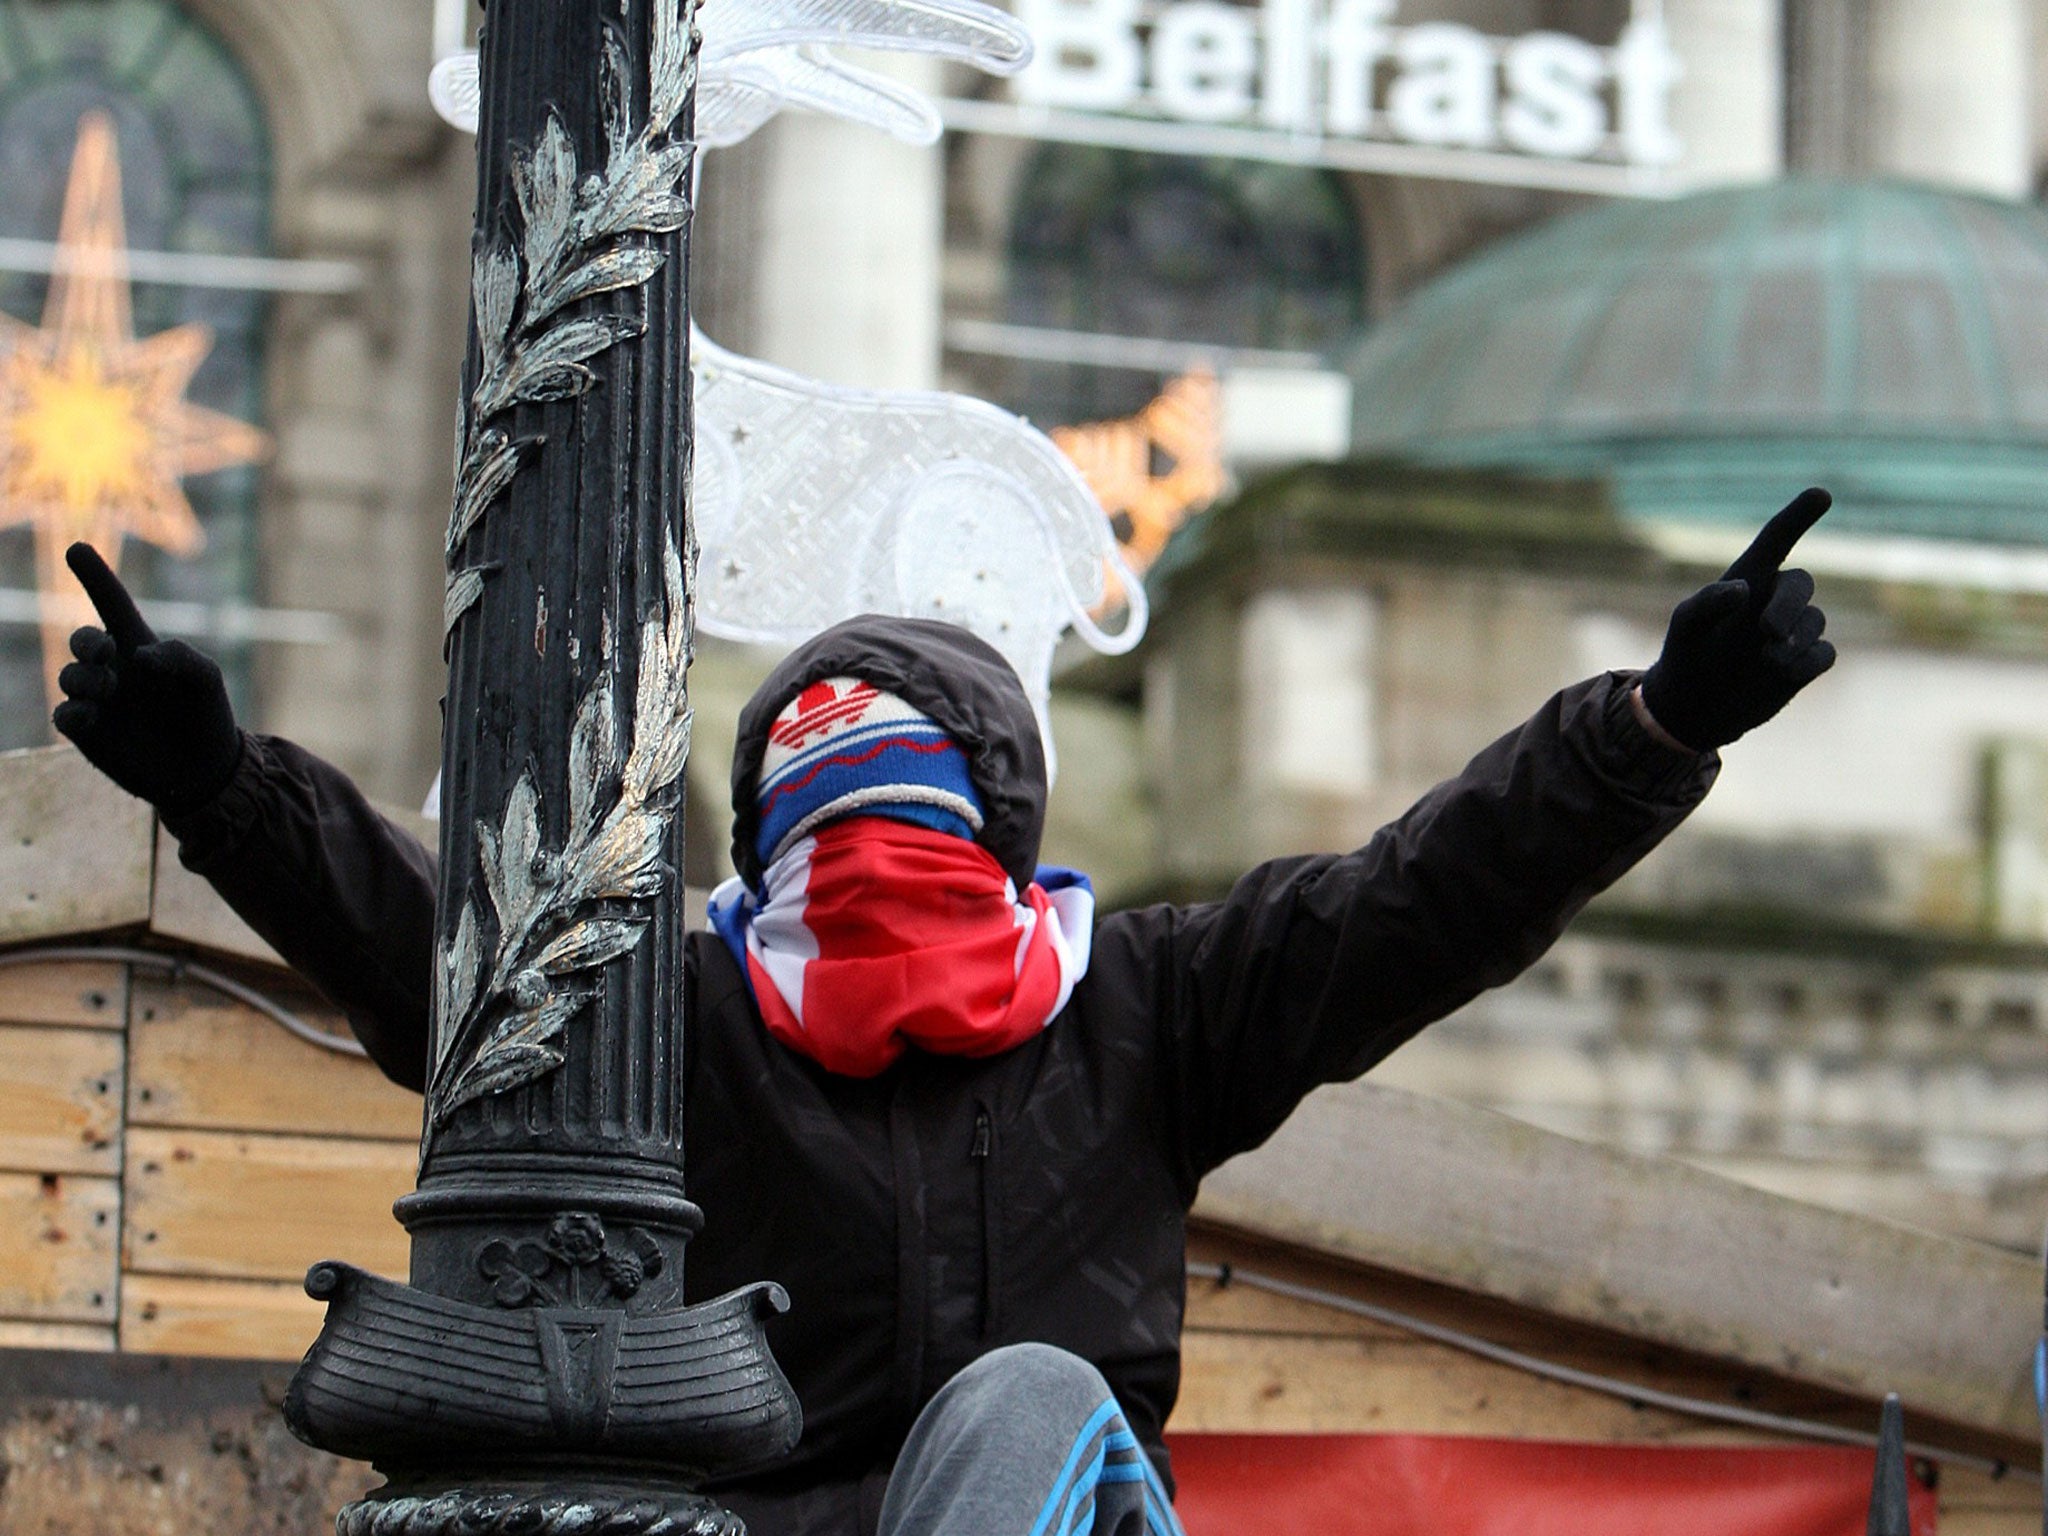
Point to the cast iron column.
(541, 1371)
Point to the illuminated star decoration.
(1121, 461)
(95, 430)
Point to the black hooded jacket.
(948, 1206)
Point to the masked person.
(958, 1116)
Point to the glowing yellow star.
(1118, 459)
(95, 430)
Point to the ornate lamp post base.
(560, 1508)
(404, 1378)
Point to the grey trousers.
(1027, 1441)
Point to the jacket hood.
(962, 682)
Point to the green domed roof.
(1714, 353)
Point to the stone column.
(543, 1361)
(846, 284)
(1827, 87)
(1728, 110)
(1950, 97)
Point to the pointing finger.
(1811, 662)
(81, 680)
(92, 644)
(1793, 596)
(1758, 563)
(75, 717)
(1806, 630)
(117, 609)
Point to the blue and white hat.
(843, 747)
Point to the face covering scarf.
(874, 935)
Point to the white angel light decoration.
(815, 502)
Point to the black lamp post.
(541, 1372)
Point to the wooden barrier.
(172, 1161)
(246, 1319)
(60, 1099)
(181, 1039)
(60, 1264)
(261, 1207)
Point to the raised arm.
(289, 842)
(332, 885)
(1311, 970)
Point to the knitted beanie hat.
(844, 747)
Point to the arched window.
(1236, 253)
(195, 168)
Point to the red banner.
(1431, 1485)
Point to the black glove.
(1738, 649)
(152, 715)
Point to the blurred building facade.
(288, 187)
(1520, 309)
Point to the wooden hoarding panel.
(202, 1060)
(95, 1338)
(1975, 1504)
(1645, 1247)
(1244, 1307)
(91, 994)
(60, 1100)
(1265, 1384)
(75, 850)
(265, 1207)
(58, 1259)
(248, 1319)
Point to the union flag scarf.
(873, 935)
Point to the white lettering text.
(1553, 103)
(1203, 54)
(1355, 42)
(1086, 53)
(1445, 92)
(1645, 70)
(1310, 67)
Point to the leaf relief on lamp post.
(577, 242)
(562, 913)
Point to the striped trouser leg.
(1027, 1441)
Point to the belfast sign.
(1343, 83)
